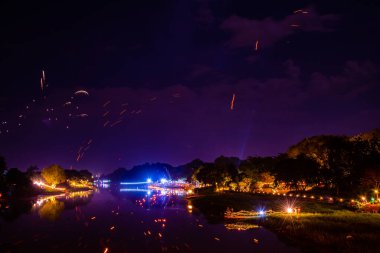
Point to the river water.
(124, 221)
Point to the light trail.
(81, 92)
(232, 102)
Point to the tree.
(207, 174)
(252, 172)
(296, 173)
(32, 171)
(371, 178)
(53, 175)
(17, 182)
(85, 175)
(3, 165)
(15, 177)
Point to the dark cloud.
(245, 32)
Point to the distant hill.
(154, 171)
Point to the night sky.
(163, 75)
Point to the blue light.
(133, 190)
(164, 180)
(261, 212)
(131, 183)
(149, 192)
(149, 180)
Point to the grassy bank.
(320, 227)
(340, 231)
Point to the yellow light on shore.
(289, 210)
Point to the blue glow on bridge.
(148, 181)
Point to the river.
(124, 221)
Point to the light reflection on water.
(144, 220)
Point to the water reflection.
(51, 210)
(240, 226)
(147, 220)
(48, 207)
(13, 209)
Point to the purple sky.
(170, 71)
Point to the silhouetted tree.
(18, 183)
(296, 173)
(3, 167)
(85, 175)
(32, 171)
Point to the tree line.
(14, 182)
(339, 165)
(335, 165)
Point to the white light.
(149, 180)
(289, 210)
(163, 180)
(261, 212)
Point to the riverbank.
(319, 227)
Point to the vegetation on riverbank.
(331, 165)
(319, 227)
(339, 231)
(50, 180)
